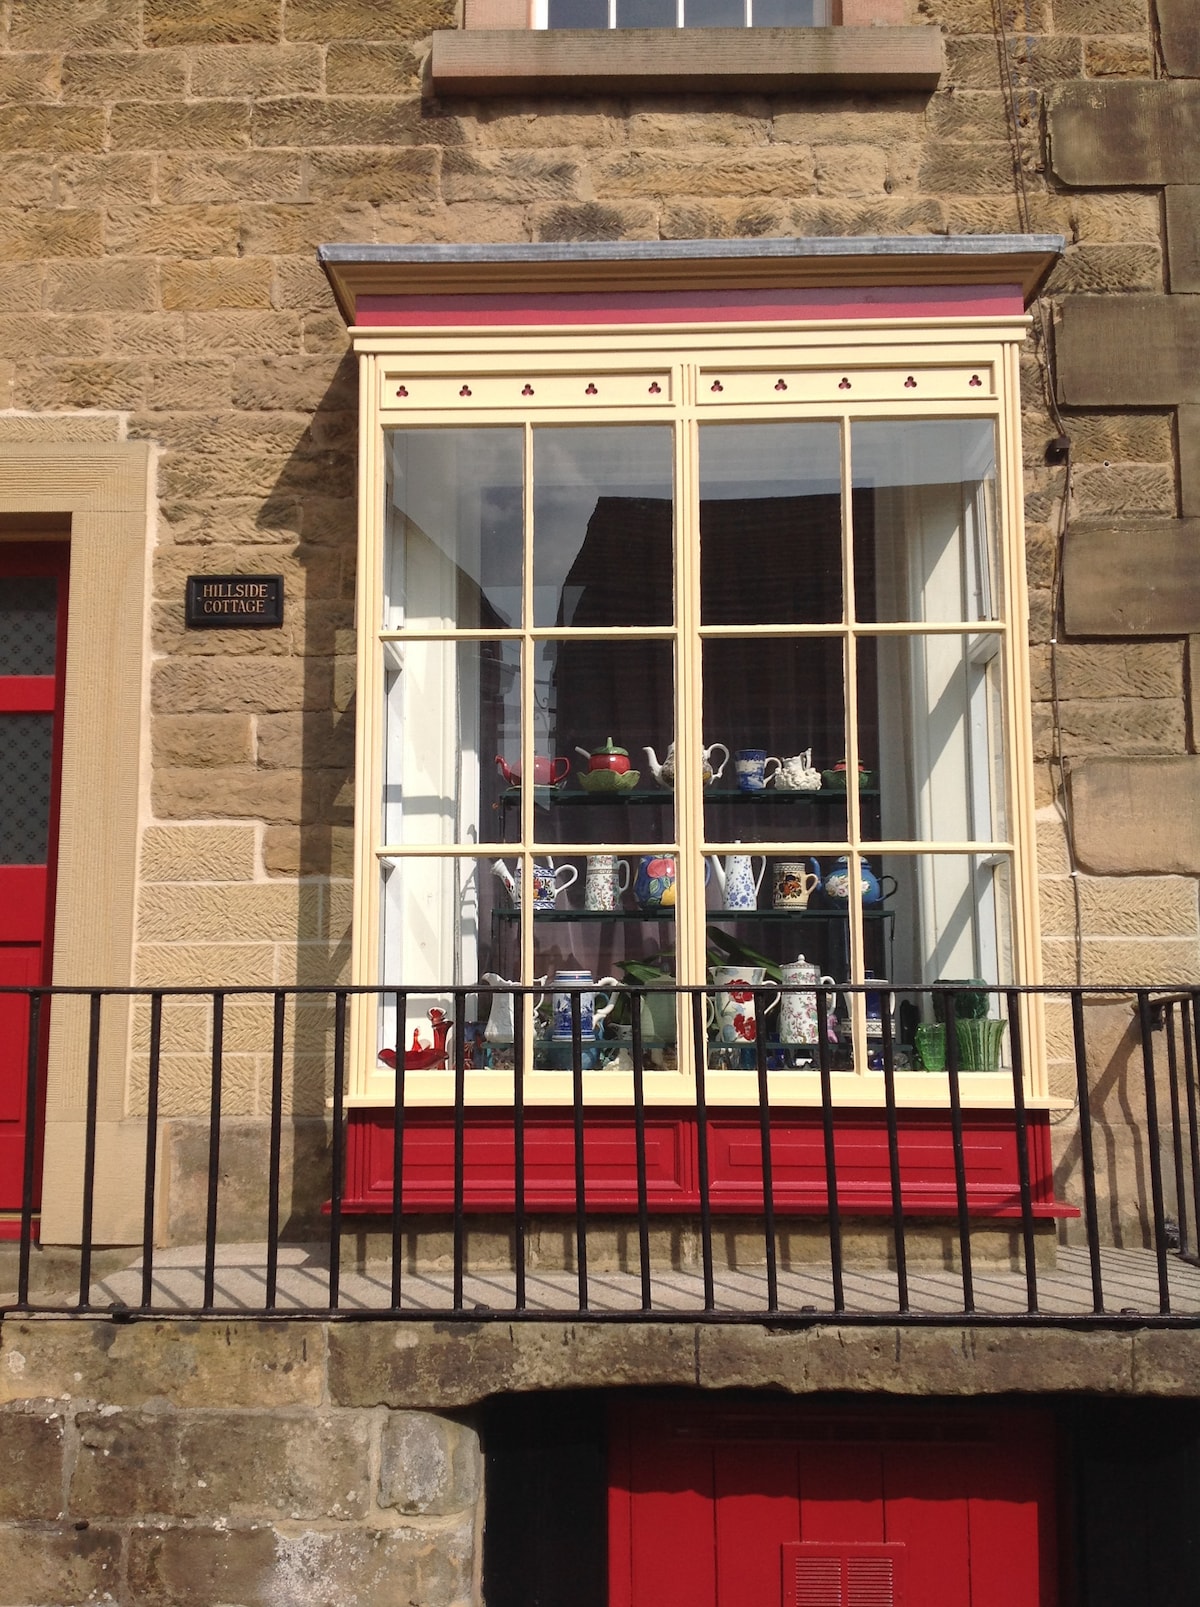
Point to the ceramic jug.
(548, 883)
(797, 774)
(589, 1016)
(654, 882)
(607, 878)
(798, 1019)
(499, 1027)
(731, 1008)
(736, 880)
(793, 884)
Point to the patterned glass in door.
(33, 588)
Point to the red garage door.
(713, 1505)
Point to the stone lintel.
(1137, 817)
(1179, 28)
(1132, 577)
(1183, 235)
(1127, 131)
(586, 61)
(1128, 351)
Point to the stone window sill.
(503, 61)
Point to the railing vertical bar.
(398, 1113)
(1172, 1019)
(1083, 1097)
(150, 1181)
(338, 1156)
(700, 1045)
(519, 1223)
(1190, 1063)
(278, 1023)
(960, 1159)
(460, 1162)
(1156, 1183)
(29, 1160)
(893, 1132)
(581, 1257)
(639, 1143)
(89, 1150)
(216, 1077)
(827, 1130)
(761, 1002)
(1020, 1117)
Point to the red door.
(33, 616)
(714, 1504)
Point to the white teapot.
(664, 773)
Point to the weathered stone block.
(1116, 217)
(1118, 58)
(263, 1567)
(1039, 61)
(400, 175)
(1183, 235)
(241, 332)
(180, 965)
(850, 169)
(1110, 133)
(348, 121)
(1137, 816)
(127, 286)
(429, 1466)
(1133, 578)
(194, 384)
(368, 68)
(1188, 425)
(305, 741)
(29, 180)
(696, 172)
(308, 850)
(1111, 725)
(67, 385)
(195, 22)
(1129, 351)
(1149, 907)
(30, 77)
(171, 231)
(201, 286)
(279, 796)
(31, 1464)
(54, 1565)
(1108, 438)
(366, 19)
(202, 914)
(1087, 268)
(257, 70)
(257, 176)
(189, 741)
(188, 1465)
(51, 128)
(1180, 37)
(198, 853)
(1100, 16)
(104, 180)
(1117, 490)
(106, 75)
(67, 25)
(1108, 669)
(191, 126)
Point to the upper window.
(682, 13)
(685, 658)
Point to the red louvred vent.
(820, 1575)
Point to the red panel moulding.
(689, 307)
(672, 1163)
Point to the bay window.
(692, 550)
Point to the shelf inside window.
(548, 796)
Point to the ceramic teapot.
(664, 773)
(871, 890)
(798, 1022)
(547, 772)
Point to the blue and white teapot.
(871, 890)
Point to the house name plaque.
(232, 602)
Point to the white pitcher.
(736, 880)
(499, 1027)
(731, 1010)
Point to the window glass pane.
(925, 520)
(587, 692)
(446, 922)
(614, 918)
(931, 737)
(781, 701)
(577, 14)
(28, 625)
(453, 724)
(602, 525)
(26, 746)
(770, 524)
(453, 544)
(714, 13)
(787, 13)
(646, 13)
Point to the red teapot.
(547, 772)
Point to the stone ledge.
(503, 61)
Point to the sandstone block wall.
(197, 1465)
(169, 170)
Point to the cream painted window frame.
(967, 367)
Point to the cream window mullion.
(528, 736)
(690, 913)
(854, 913)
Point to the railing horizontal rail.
(936, 1153)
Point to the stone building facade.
(177, 395)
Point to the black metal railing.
(242, 1208)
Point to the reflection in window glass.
(925, 520)
(577, 14)
(28, 625)
(770, 524)
(453, 556)
(713, 13)
(953, 917)
(602, 526)
(453, 709)
(646, 13)
(931, 729)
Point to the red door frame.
(27, 891)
